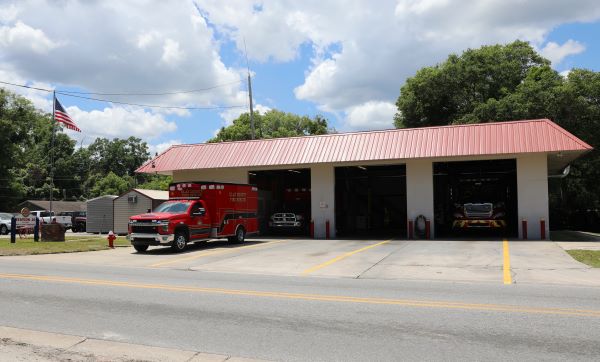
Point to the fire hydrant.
(111, 237)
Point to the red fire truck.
(195, 212)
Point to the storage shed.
(100, 214)
(135, 202)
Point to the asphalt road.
(302, 318)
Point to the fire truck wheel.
(240, 236)
(180, 241)
(140, 248)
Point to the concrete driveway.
(492, 261)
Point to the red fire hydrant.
(111, 237)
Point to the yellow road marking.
(210, 252)
(313, 297)
(341, 257)
(507, 276)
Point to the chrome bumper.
(150, 239)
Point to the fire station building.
(491, 176)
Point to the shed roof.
(57, 206)
(529, 136)
(151, 194)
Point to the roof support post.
(419, 191)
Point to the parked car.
(286, 221)
(5, 219)
(78, 220)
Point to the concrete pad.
(442, 260)
(438, 273)
(541, 255)
(290, 258)
(119, 350)
(579, 277)
(42, 339)
(546, 262)
(579, 245)
(207, 357)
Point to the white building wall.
(233, 175)
(322, 180)
(532, 193)
(419, 190)
(123, 210)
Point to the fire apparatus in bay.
(197, 212)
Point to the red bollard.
(410, 229)
(327, 229)
(543, 229)
(524, 228)
(111, 238)
(312, 229)
(427, 229)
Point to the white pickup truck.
(46, 218)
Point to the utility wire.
(148, 105)
(118, 102)
(156, 94)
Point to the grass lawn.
(27, 246)
(589, 257)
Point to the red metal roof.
(530, 136)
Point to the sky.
(345, 60)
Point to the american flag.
(61, 116)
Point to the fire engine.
(197, 212)
(480, 215)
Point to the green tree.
(273, 124)
(447, 92)
(111, 184)
(511, 82)
(121, 156)
(157, 182)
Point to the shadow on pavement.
(201, 246)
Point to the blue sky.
(345, 60)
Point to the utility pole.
(251, 110)
(52, 151)
(252, 133)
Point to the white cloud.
(371, 115)
(23, 38)
(172, 54)
(363, 53)
(118, 122)
(167, 46)
(556, 52)
(8, 13)
(230, 115)
(161, 147)
(41, 100)
(565, 73)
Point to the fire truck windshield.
(173, 207)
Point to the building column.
(322, 198)
(419, 190)
(532, 193)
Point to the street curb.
(105, 349)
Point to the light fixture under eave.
(251, 174)
(294, 171)
(362, 168)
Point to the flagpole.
(52, 151)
